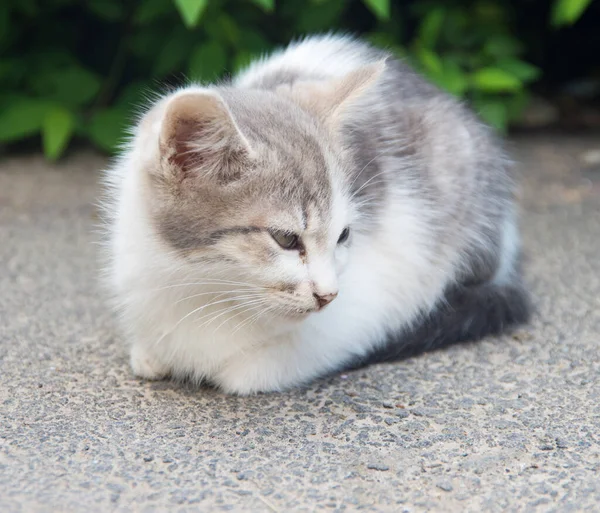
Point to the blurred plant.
(474, 55)
(74, 69)
(567, 12)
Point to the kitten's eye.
(344, 235)
(286, 240)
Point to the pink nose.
(324, 299)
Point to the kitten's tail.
(467, 314)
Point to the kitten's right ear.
(329, 99)
(199, 136)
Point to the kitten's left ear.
(328, 100)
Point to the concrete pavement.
(509, 424)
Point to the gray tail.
(468, 313)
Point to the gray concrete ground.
(510, 424)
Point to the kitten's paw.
(145, 365)
(248, 376)
(239, 385)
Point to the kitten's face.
(260, 202)
(286, 254)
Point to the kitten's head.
(252, 188)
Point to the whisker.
(231, 309)
(210, 282)
(216, 293)
(249, 307)
(246, 310)
(367, 183)
(367, 165)
(254, 317)
(192, 312)
(233, 299)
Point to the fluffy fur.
(326, 134)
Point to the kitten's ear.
(199, 135)
(328, 100)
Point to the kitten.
(325, 209)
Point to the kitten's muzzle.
(324, 299)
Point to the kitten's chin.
(299, 315)
(294, 316)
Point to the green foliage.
(567, 12)
(207, 62)
(191, 10)
(474, 55)
(267, 5)
(74, 69)
(21, 117)
(106, 128)
(57, 129)
(495, 80)
(381, 8)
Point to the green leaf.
(431, 26)
(57, 129)
(380, 8)
(150, 10)
(77, 86)
(107, 129)
(453, 79)
(266, 5)
(207, 62)
(495, 80)
(502, 45)
(430, 61)
(494, 113)
(522, 70)
(72, 86)
(191, 11)
(21, 118)
(110, 10)
(567, 12)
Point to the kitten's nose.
(324, 299)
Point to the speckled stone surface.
(510, 424)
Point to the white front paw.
(250, 375)
(145, 365)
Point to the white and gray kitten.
(327, 208)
